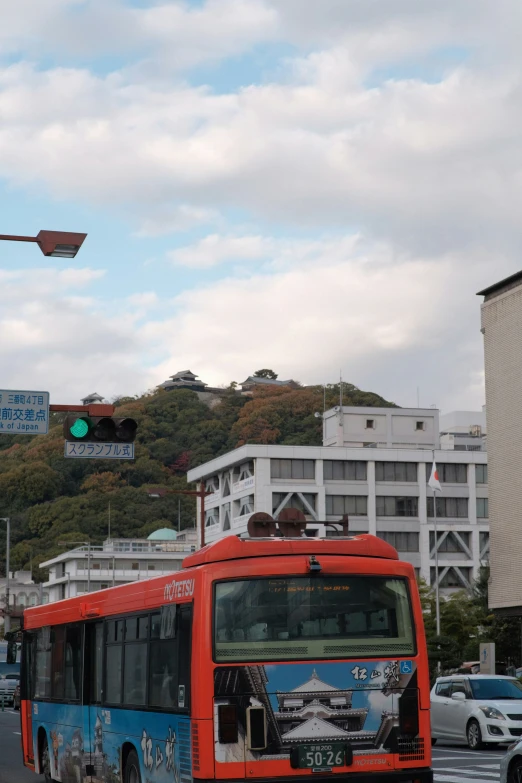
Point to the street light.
(201, 493)
(57, 244)
(7, 616)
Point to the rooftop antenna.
(341, 389)
(418, 397)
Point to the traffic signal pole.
(96, 409)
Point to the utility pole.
(7, 615)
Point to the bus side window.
(96, 658)
(42, 688)
(163, 671)
(73, 662)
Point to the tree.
(266, 374)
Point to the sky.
(314, 187)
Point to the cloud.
(215, 249)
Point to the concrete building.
(88, 568)
(502, 329)
(383, 490)
(23, 592)
(388, 428)
(464, 430)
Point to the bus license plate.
(321, 756)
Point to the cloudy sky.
(307, 185)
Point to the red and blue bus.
(266, 659)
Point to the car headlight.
(492, 712)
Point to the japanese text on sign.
(24, 412)
(99, 450)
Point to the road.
(456, 764)
(451, 763)
(12, 769)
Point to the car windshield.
(495, 689)
(288, 618)
(12, 676)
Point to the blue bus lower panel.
(86, 743)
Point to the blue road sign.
(24, 412)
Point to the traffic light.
(99, 429)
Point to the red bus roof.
(234, 548)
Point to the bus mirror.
(256, 728)
(12, 652)
(169, 614)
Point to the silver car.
(8, 683)
(511, 764)
(478, 709)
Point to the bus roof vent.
(261, 525)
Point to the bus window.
(135, 674)
(43, 664)
(95, 662)
(57, 667)
(113, 669)
(312, 617)
(73, 662)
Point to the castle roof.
(314, 685)
(315, 727)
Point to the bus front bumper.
(393, 776)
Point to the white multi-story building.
(463, 430)
(88, 568)
(400, 428)
(23, 592)
(383, 490)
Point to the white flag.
(434, 482)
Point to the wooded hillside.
(52, 499)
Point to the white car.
(478, 709)
(511, 764)
(8, 683)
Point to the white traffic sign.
(487, 658)
(24, 412)
(78, 450)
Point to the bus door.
(92, 699)
(26, 694)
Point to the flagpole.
(437, 602)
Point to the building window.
(451, 543)
(482, 508)
(212, 484)
(397, 506)
(212, 517)
(481, 474)
(344, 470)
(246, 506)
(338, 505)
(459, 578)
(135, 566)
(294, 501)
(420, 426)
(226, 487)
(449, 473)
(484, 544)
(370, 424)
(454, 508)
(396, 471)
(403, 542)
(292, 469)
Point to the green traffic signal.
(99, 429)
(80, 428)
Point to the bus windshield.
(312, 617)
